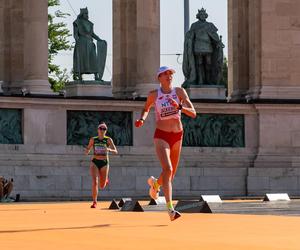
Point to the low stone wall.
(268, 180)
(64, 173)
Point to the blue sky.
(171, 29)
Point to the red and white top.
(163, 109)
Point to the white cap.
(163, 69)
(102, 125)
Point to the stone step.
(130, 162)
(67, 149)
(199, 157)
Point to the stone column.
(15, 46)
(1, 44)
(148, 45)
(238, 52)
(36, 47)
(124, 48)
(254, 49)
(136, 47)
(2, 11)
(280, 46)
(5, 42)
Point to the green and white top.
(101, 145)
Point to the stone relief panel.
(11, 126)
(214, 130)
(81, 125)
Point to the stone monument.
(88, 58)
(235, 149)
(203, 60)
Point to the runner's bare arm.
(112, 148)
(89, 146)
(187, 106)
(149, 102)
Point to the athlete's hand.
(86, 150)
(173, 103)
(139, 123)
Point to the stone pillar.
(136, 48)
(2, 11)
(36, 47)
(280, 53)
(238, 53)
(148, 45)
(5, 42)
(124, 48)
(264, 42)
(15, 45)
(2, 54)
(254, 49)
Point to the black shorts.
(100, 163)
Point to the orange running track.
(73, 225)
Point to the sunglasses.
(103, 129)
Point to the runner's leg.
(103, 173)
(175, 157)
(163, 154)
(94, 175)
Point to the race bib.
(166, 109)
(100, 150)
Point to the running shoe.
(94, 205)
(153, 192)
(173, 214)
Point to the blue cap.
(163, 69)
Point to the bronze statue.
(85, 58)
(203, 53)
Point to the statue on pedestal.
(86, 60)
(203, 53)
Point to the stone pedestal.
(214, 92)
(280, 92)
(89, 89)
